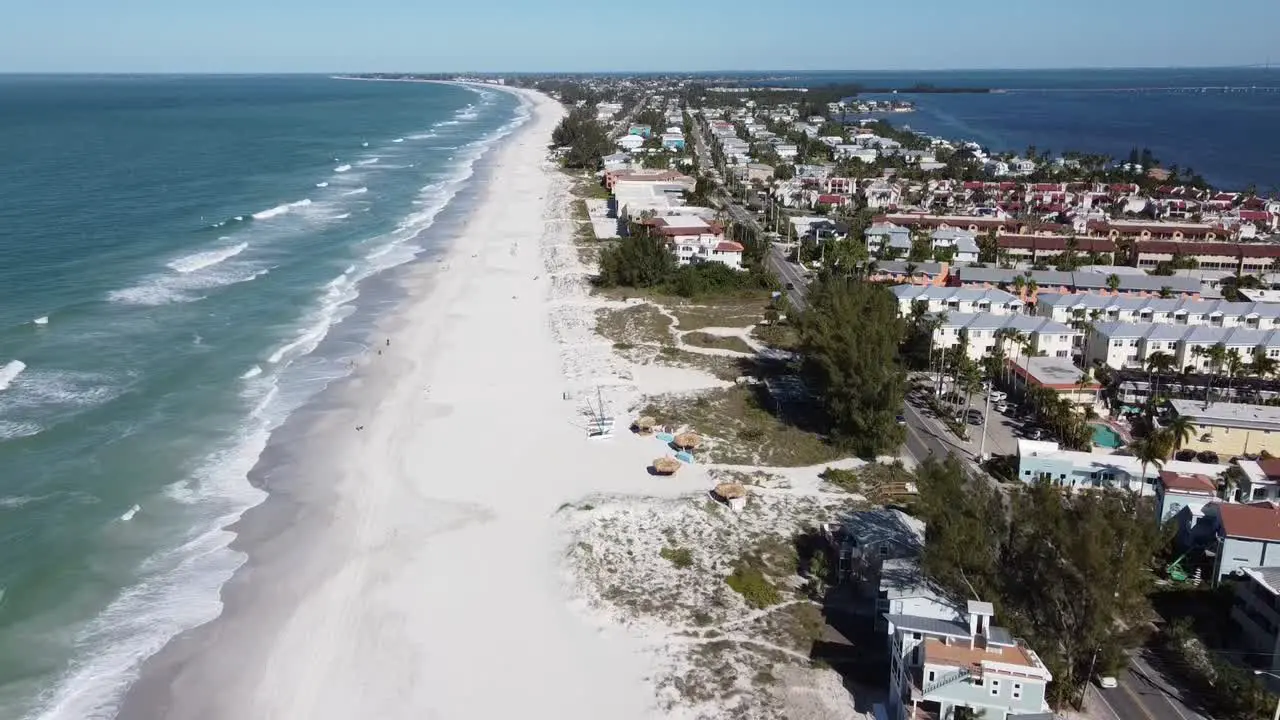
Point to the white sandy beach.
(414, 569)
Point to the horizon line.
(250, 73)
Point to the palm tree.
(1232, 478)
(1150, 450)
(1019, 285)
(1157, 363)
(1262, 366)
(1233, 364)
(1178, 431)
(1113, 282)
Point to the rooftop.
(1052, 372)
(1268, 577)
(1260, 521)
(977, 659)
(1188, 483)
(1234, 415)
(1100, 463)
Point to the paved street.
(1144, 694)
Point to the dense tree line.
(1070, 572)
(585, 140)
(645, 262)
(849, 337)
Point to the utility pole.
(982, 450)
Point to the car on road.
(901, 419)
(1107, 682)
(791, 286)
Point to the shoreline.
(390, 570)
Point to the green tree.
(1179, 430)
(848, 339)
(636, 262)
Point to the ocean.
(1219, 122)
(173, 250)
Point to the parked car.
(1002, 407)
(999, 396)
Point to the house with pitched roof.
(1183, 494)
(1238, 535)
(937, 666)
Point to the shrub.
(753, 586)
(678, 556)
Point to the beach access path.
(413, 569)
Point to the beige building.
(1230, 429)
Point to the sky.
(269, 36)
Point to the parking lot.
(1002, 429)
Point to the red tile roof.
(1270, 466)
(728, 246)
(1258, 522)
(1223, 249)
(1188, 483)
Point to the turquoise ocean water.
(172, 251)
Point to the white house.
(964, 244)
(1041, 460)
(1129, 344)
(693, 240)
(630, 143)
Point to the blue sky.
(577, 35)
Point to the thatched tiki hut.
(732, 494)
(688, 441)
(666, 466)
(644, 425)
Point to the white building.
(1042, 460)
(1066, 307)
(693, 240)
(981, 331)
(962, 243)
(956, 300)
(1129, 344)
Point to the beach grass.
(635, 325)
(739, 431)
(717, 342)
(780, 336)
(732, 312)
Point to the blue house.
(671, 141)
(643, 131)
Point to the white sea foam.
(322, 184)
(42, 320)
(342, 168)
(10, 372)
(130, 513)
(181, 587)
(14, 502)
(342, 216)
(166, 289)
(421, 136)
(208, 258)
(368, 161)
(279, 210)
(364, 144)
(13, 430)
(398, 140)
(358, 191)
(252, 372)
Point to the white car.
(1106, 681)
(999, 396)
(1002, 407)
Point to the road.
(1144, 694)
(788, 273)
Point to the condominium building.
(1066, 307)
(937, 666)
(1229, 429)
(1043, 460)
(981, 332)
(1128, 345)
(956, 300)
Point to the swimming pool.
(1105, 437)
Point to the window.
(884, 549)
(977, 681)
(995, 687)
(930, 678)
(915, 636)
(1016, 691)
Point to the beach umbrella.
(645, 424)
(730, 491)
(688, 441)
(666, 466)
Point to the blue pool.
(1105, 437)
